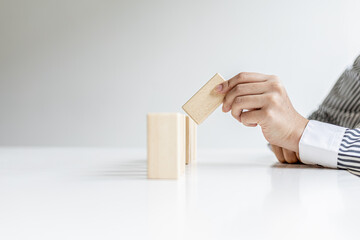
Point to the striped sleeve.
(342, 105)
(331, 146)
(349, 151)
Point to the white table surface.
(83, 193)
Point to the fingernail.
(218, 88)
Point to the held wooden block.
(191, 132)
(166, 145)
(205, 101)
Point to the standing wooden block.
(191, 132)
(205, 101)
(166, 145)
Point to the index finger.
(243, 77)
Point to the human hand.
(285, 156)
(268, 105)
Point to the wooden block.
(205, 101)
(191, 132)
(193, 148)
(166, 145)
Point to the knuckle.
(267, 114)
(238, 88)
(276, 86)
(272, 99)
(227, 84)
(274, 77)
(238, 100)
(242, 76)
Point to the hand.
(268, 106)
(285, 156)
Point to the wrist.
(297, 132)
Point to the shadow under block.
(166, 145)
(205, 101)
(191, 132)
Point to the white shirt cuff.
(320, 144)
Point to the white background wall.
(85, 73)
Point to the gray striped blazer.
(342, 107)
